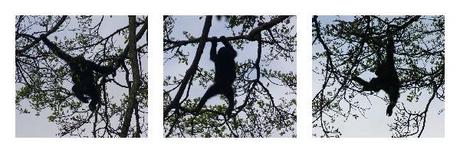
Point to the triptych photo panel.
(230, 76)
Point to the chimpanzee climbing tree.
(65, 62)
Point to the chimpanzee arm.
(226, 43)
(360, 81)
(390, 49)
(56, 50)
(213, 54)
(101, 69)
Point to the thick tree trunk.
(132, 101)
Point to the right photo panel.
(378, 76)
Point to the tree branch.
(52, 30)
(132, 100)
(192, 70)
(251, 36)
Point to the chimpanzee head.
(227, 53)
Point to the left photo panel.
(81, 76)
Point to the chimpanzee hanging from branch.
(85, 85)
(224, 76)
(387, 76)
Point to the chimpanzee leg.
(212, 91)
(373, 85)
(79, 93)
(95, 95)
(393, 93)
(230, 94)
